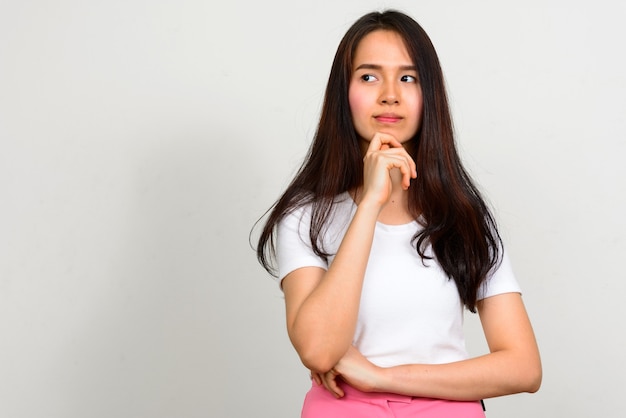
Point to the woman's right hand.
(384, 154)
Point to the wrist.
(370, 205)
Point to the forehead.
(382, 47)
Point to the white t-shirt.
(410, 311)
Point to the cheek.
(357, 103)
(417, 106)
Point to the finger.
(381, 139)
(412, 167)
(406, 176)
(336, 388)
(330, 383)
(403, 165)
(316, 377)
(409, 172)
(326, 384)
(385, 142)
(402, 152)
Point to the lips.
(388, 118)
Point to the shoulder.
(340, 208)
(294, 248)
(501, 280)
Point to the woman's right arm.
(322, 306)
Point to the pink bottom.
(319, 403)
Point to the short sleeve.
(502, 280)
(293, 245)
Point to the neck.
(396, 210)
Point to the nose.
(389, 94)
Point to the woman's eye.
(408, 79)
(368, 78)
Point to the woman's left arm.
(512, 366)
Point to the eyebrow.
(380, 67)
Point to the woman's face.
(385, 94)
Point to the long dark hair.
(456, 221)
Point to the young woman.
(382, 239)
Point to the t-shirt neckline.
(386, 227)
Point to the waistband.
(352, 393)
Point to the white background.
(141, 140)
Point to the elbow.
(320, 358)
(316, 361)
(531, 380)
(318, 353)
(534, 381)
(521, 375)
